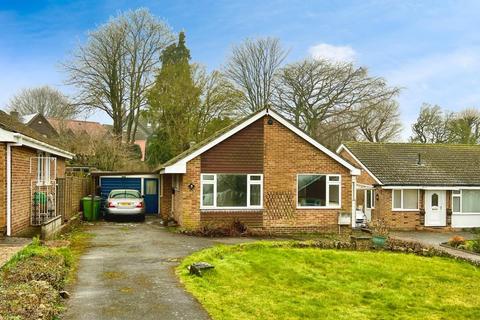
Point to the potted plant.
(379, 230)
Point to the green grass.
(267, 281)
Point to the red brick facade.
(285, 155)
(22, 175)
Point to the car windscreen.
(124, 194)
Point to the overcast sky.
(429, 48)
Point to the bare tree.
(114, 69)
(252, 67)
(45, 100)
(378, 122)
(219, 98)
(432, 125)
(316, 93)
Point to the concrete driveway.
(128, 273)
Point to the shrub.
(456, 241)
(233, 229)
(50, 268)
(29, 301)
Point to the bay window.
(318, 191)
(405, 199)
(231, 191)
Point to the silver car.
(123, 202)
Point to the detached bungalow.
(29, 167)
(263, 171)
(413, 186)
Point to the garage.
(146, 183)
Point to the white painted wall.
(465, 220)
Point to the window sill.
(231, 209)
(318, 208)
(405, 210)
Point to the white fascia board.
(354, 171)
(420, 187)
(23, 140)
(343, 147)
(7, 136)
(179, 167)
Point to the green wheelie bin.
(88, 213)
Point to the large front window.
(232, 191)
(318, 190)
(466, 201)
(405, 199)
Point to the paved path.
(10, 246)
(435, 239)
(128, 273)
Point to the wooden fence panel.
(70, 191)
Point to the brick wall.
(286, 155)
(396, 220)
(166, 197)
(3, 186)
(21, 189)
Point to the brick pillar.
(166, 197)
(190, 197)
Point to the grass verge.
(31, 280)
(268, 280)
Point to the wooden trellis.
(280, 205)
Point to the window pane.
(410, 199)
(207, 196)
(255, 178)
(231, 190)
(334, 178)
(208, 177)
(397, 199)
(151, 187)
(470, 201)
(456, 204)
(456, 191)
(334, 195)
(255, 195)
(434, 200)
(369, 198)
(312, 190)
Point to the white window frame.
(44, 169)
(401, 200)
(460, 196)
(372, 198)
(327, 191)
(214, 182)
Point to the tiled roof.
(420, 164)
(79, 127)
(9, 123)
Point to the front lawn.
(268, 281)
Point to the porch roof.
(415, 164)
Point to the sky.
(431, 49)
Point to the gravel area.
(10, 246)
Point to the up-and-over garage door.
(150, 186)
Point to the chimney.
(15, 114)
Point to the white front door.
(369, 203)
(435, 208)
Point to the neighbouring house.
(415, 186)
(29, 167)
(263, 171)
(37, 122)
